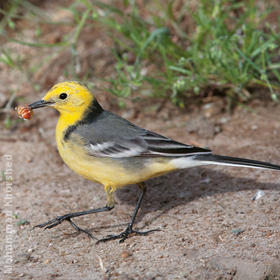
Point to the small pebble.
(125, 254)
(258, 195)
(237, 231)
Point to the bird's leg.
(67, 217)
(129, 230)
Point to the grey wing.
(114, 137)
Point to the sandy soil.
(210, 226)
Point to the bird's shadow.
(181, 187)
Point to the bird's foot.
(125, 234)
(58, 220)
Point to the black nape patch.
(93, 111)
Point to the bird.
(106, 148)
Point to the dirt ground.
(210, 226)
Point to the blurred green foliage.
(229, 47)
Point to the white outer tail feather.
(187, 162)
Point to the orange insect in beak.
(24, 112)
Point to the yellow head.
(69, 98)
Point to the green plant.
(227, 49)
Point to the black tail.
(224, 160)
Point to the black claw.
(52, 223)
(125, 234)
(67, 217)
(58, 220)
(80, 229)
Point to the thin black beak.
(40, 103)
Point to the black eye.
(63, 95)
